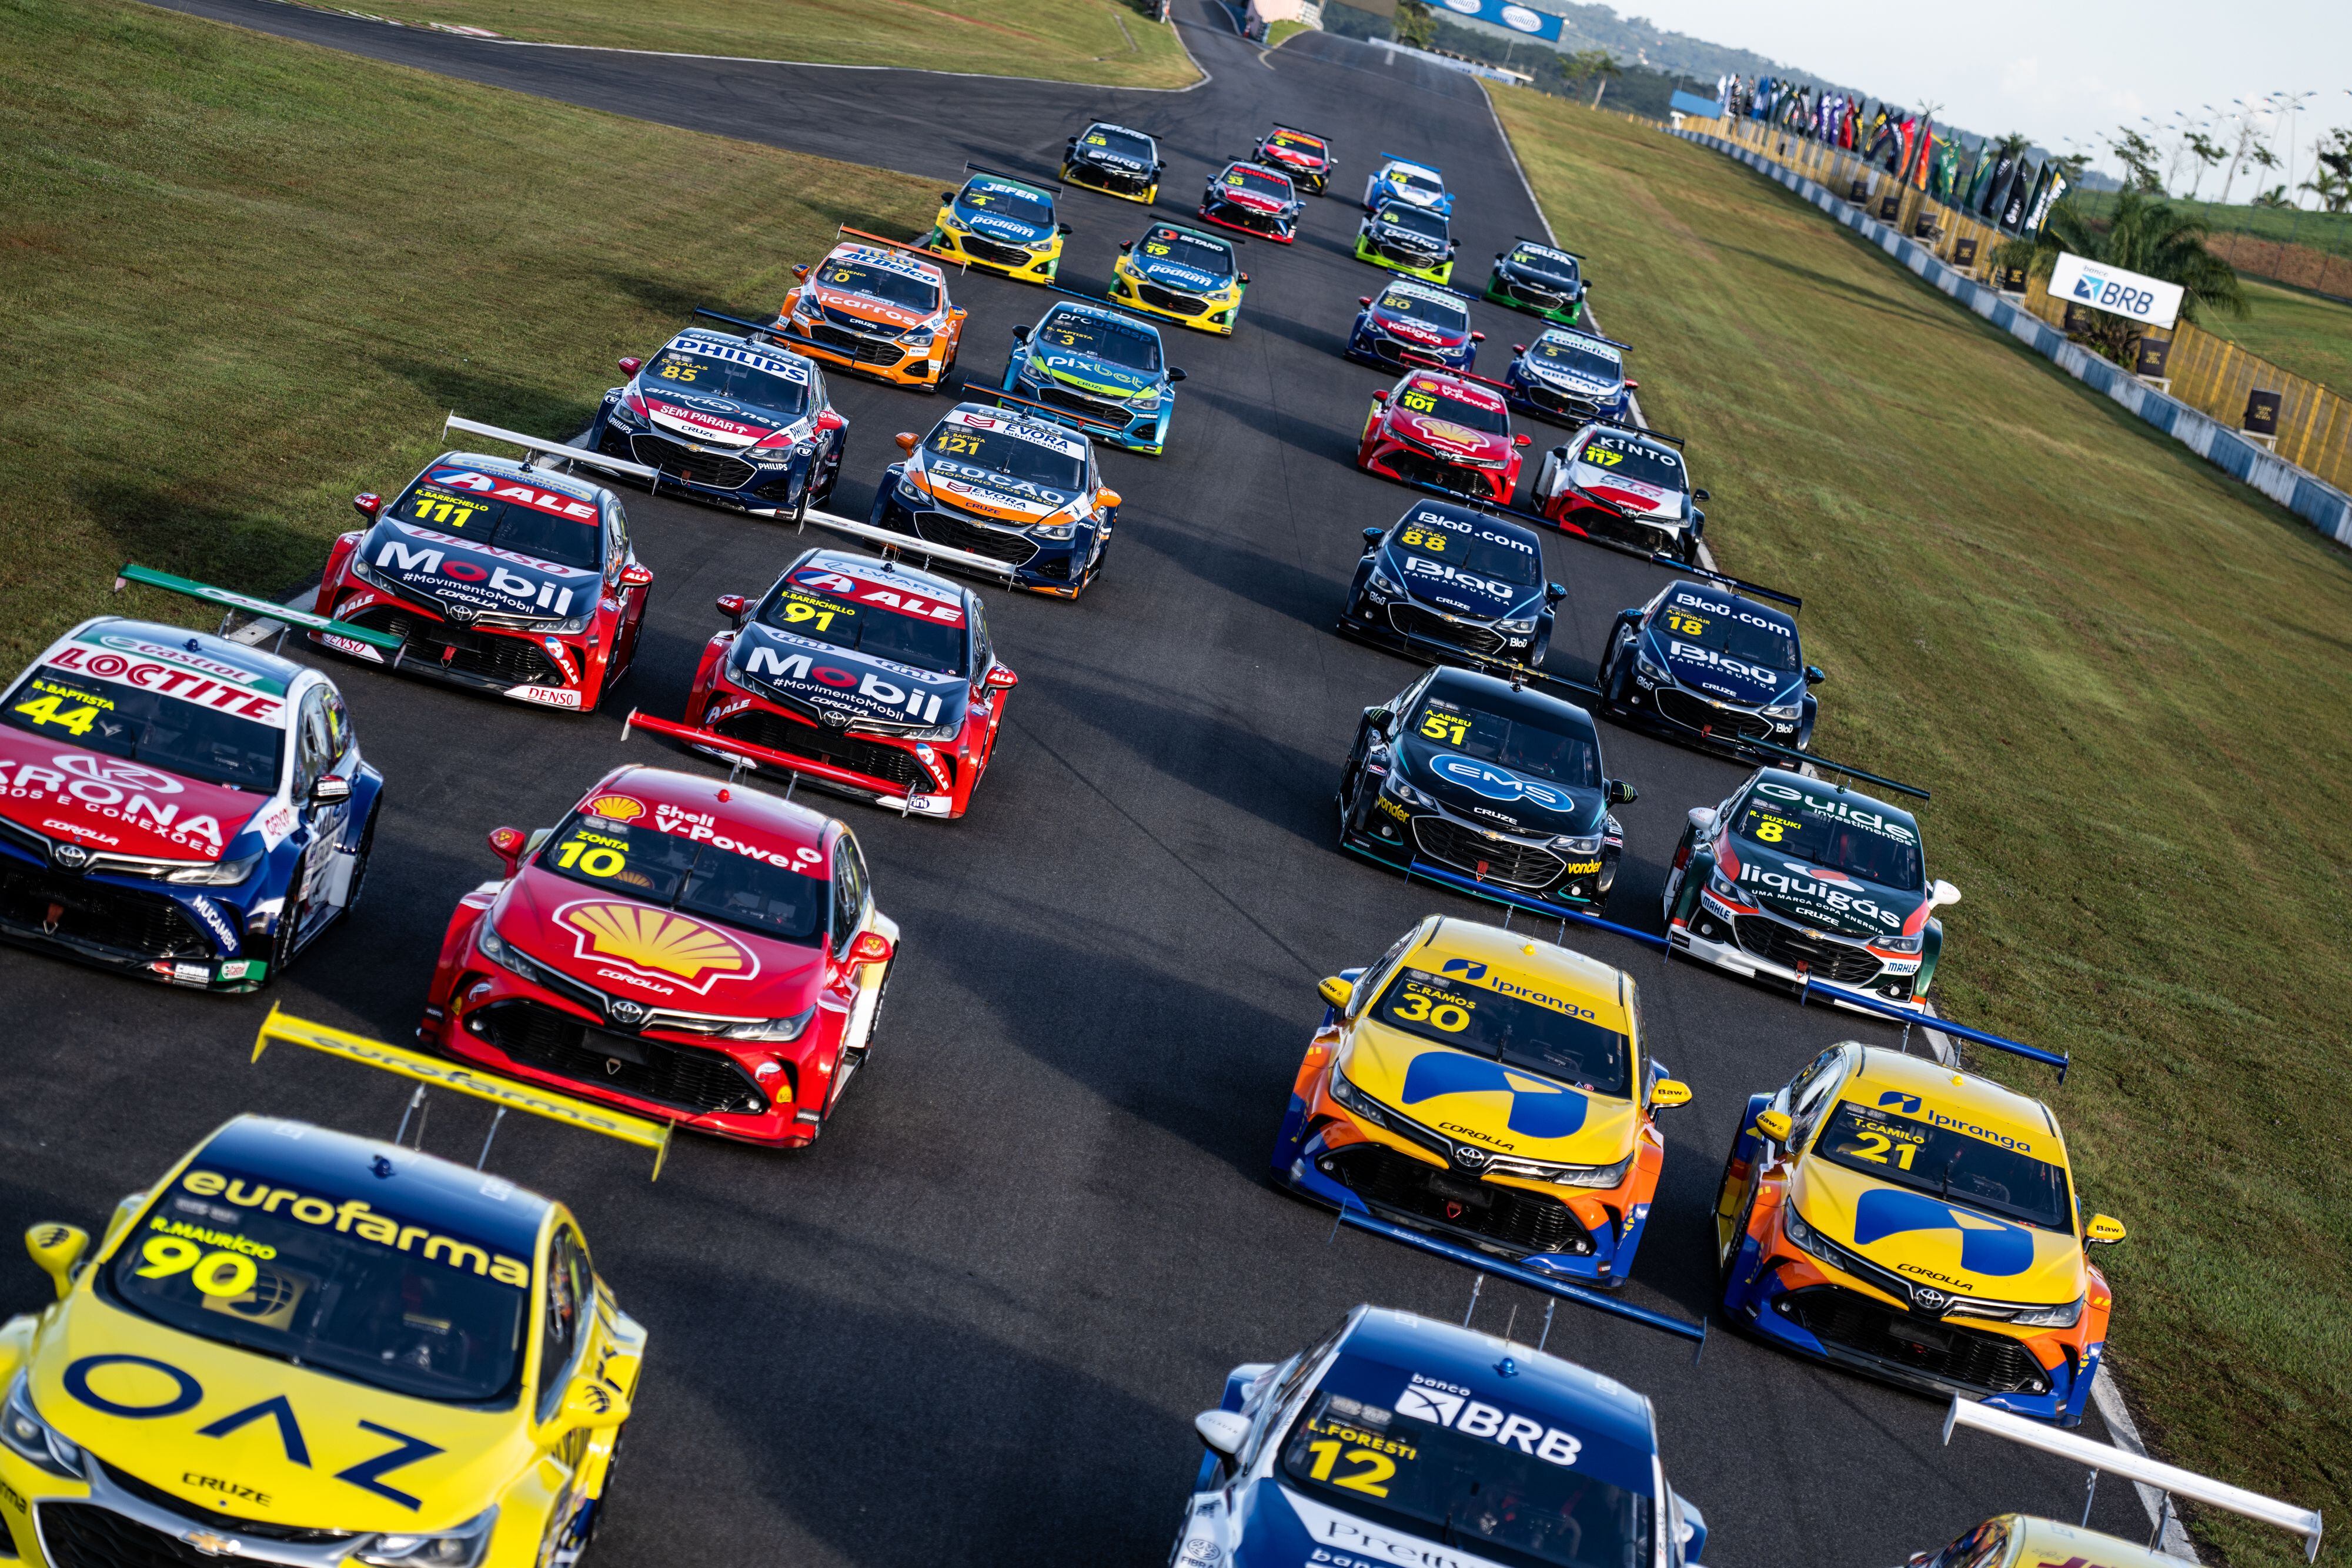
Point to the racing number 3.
(1377, 1468)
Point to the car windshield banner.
(1504, 14)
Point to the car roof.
(874, 568)
(1202, 235)
(1543, 967)
(1496, 694)
(888, 259)
(569, 484)
(2050, 1540)
(1723, 599)
(1474, 517)
(1955, 1096)
(704, 339)
(1115, 125)
(417, 1186)
(1395, 162)
(1851, 799)
(633, 791)
(1294, 131)
(1569, 1393)
(184, 645)
(1254, 167)
(1007, 180)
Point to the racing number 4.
(1377, 1468)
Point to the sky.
(2052, 73)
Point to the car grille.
(1417, 467)
(867, 349)
(1160, 299)
(1544, 395)
(945, 528)
(87, 1535)
(1407, 256)
(1055, 395)
(1909, 1343)
(1602, 523)
(677, 461)
(1839, 963)
(515, 660)
(260, 1530)
(1518, 1219)
(1247, 217)
(1697, 713)
(1469, 849)
(1415, 621)
(981, 249)
(143, 925)
(894, 765)
(1120, 179)
(686, 1077)
(1549, 299)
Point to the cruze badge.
(1498, 784)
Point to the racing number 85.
(1448, 1016)
(1445, 728)
(679, 372)
(1377, 1468)
(214, 1273)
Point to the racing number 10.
(1377, 1468)
(595, 860)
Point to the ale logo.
(657, 943)
(617, 807)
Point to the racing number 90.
(1377, 1467)
(214, 1273)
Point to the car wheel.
(1724, 1255)
(799, 508)
(360, 866)
(290, 920)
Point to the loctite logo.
(432, 561)
(920, 706)
(185, 684)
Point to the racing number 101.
(1419, 403)
(1378, 1468)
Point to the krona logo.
(657, 943)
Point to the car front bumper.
(1408, 464)
(200, 939)
(544, 669)
(1712, 937)
(1058, 566)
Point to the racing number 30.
(1447, 1016)
(1377, 1468)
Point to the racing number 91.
(214, 1273)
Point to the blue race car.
(1710, 667)
(178, 806)
(1417, 319)
(1445, 577)
(1403, 179)
(1398, 1440)
(1104, 366)
(1570, 377)
(728, 421)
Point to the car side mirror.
(947, 196)
(1335, 990)
(1554, 593)
(1698, 495)
(1620, 793)
(1108, 500)
(1245, 280)
(1584, 287)
(1062, 228)
(1943, 893)
(1518, 441)
(367, 504)
(1518, 348)
(1020, 334)
(508, 844)
(1176, 373)
(1815, 674)
(636, 574)
(1633, 385)
(58, 1250)
(1372, 536)
(1364, 299)
(800, 270)
(1477, 336)
(905, 440)
(1668, 1092)
(630, 364)
(871, 947)
(1381, 394)
(2104, 1230)
(732, 605)
(1702, 818)
(1003, 679)
(1499, 256)
(1775, 1125)
(1222, 1431)
(1126, 244)
(329, 788)
(589, 1402)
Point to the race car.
(1540, 280)
(178, 806)
(499, 577)
(741, 424)
(1181, 274)
(300, 1347)
(1570, 377)
(1399, 1439)
(684, 950)
(1301, 154)
(1436, 430)
(1793, 879)
(866, 677)
(1493, 789)
(1254, 199)
(1409, 318)
(1613, 482)
(1010, 484)
(1892, 1216)
(999, 224)
(1101, 366)
(1414, 184)
(1445, 577)
(1408, 239)
(1710, 667)
(876, 308)
(1115, 161)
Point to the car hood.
(1445, 436)
(1282, 1529)
(1449, 588)
(1818, 897)
(1411, 332)
(1948, 1245)
(1000, 226)
(1169, 273)
(865, 308)
(1719, 674)
(1490, 792)
(1088, 374)
(1403, 238)
(663, 957)
(1576, 381)
(1638, 496)
(1253, 201)
(989, 493)
(818, 678)
(113, 806)
(1484, 1102)
(1518, 274)
(716, 421)
(303, 1448)
(465, 580)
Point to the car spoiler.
(2103, 1457)
(774, 334)
(285, 615)
(920, 547)
(1302, 131)
(1925, 1020)
(1030, 179)
(1416, 162)
(1053, 415)
(549, 454)
(438, 1072)
(845, 232)
(745, 751)
(1598, 338)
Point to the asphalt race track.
(971, 1325)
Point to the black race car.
(1539, 279)
(1712, 668)
(1445, 577)
(1116, 160)
(1469, 781)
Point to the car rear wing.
(1416, 162)
(438, 1072)
(1319, 136)
(887, 793)
(920, 549)
(283, 614)
(549, 454)
(1674, 440)
(1919, 1015)
(861, 236)
(1029, 180)
(1100, 304)
(2170, 1479)
(774, 334)
(1576, 256)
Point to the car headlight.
(2066, 1315)
(1721, 886)
(1899, 944)
(460, 1548)
(1055, 532)
(499, 951)
(1382, 582)
(1806, 1238)
(769, 1029)
(34, 1440)
(1521, 627)
(221, 873)
(1041, 246)
(917, 338)
(1591, 1176)
(1404, 791)
(1643, 666)
(1146, 400)
(1789, 709)
(1590, 845)
(953, 225)
(910, 492)
(1355, 1099)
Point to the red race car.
(863, 676)
(1443, 432)
(1301, 154)
(698, 952)
(1255, 200)
(1613, 482)
(499, 576)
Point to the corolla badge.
(1498, 783)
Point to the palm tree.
(1416, 24)
(2142, 235)
(1586, 64)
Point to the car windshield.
(1478, 550)
(172, 734)
(1125, 143)
(874, 628)
(1413, 220)
(1727, 628)
(1530, 1030)
(1105, 337)
(1520, 742)
(745, 380)
(1957, 1163)
(1257, 180)
(1208, 255)
(347, 1285)
(743, 886)
(510, 515)
(1796, 830)
(906, 290)
(1623, 457)
(1412, 179)
(1443, 313)
(1580, 356)
(1291, 141)
(1444, 399)
(1547, 265)
(1001, 452)
(1031, 207)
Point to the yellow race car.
(1183, 274)
(304, 1347)
(1001, 224)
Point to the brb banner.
(2098, 286)
(1503, 14)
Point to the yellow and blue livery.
(1183, 274)
(1001, 224)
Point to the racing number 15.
(1377, 1468)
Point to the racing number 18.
(1688, 625)
(1377, 1468)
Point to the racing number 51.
(1377, 1468)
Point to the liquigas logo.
(658, 943)
(1798, 882)
(1451, 1406)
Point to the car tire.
(1724, 1255)
(360, 866)
(290, 920)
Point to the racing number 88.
(1448, 1016)
(214, 1273)
(1378, 1468)
(1419, 403)
(596, 860)
(1433, 543)
(1445, 728)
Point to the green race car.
(1540, 281)
(1404, 238)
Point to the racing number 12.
(1378, 1468)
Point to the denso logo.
(1497, 783)
(432, 561)
(1799, 884)
(1421, 566)
(922, 706)
(1444, 1406)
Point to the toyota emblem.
(625, 1013)
(1473, 1158)
(69, 857)
(461, 614)
(1929, 1301)
(836, 717)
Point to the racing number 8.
(1446, 1016)
(1445, 728)
(1419, 403)
(595, 860)
(215, 1273)
(1771, 832)
(1378, 1468)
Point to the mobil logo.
(1539, 1110)
(1498, 783)
(1988, 1246)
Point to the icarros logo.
(1498, 783)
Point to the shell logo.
(657, 943)
(1447, 430)
(617, 807)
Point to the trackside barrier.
(129, 573)
(1941, 1025)
(1355, 1216)
(2170, 1478)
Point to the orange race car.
(878, 307)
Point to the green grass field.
(270, 269)
(2308, 334)
(1281, 33)
(2329, 232)
(1106, 41)
(2128, 681)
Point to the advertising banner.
(1703, 108)
(2095, 284)
(1505, 13)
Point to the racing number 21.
(1377, 1468)
(1873, 1147)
